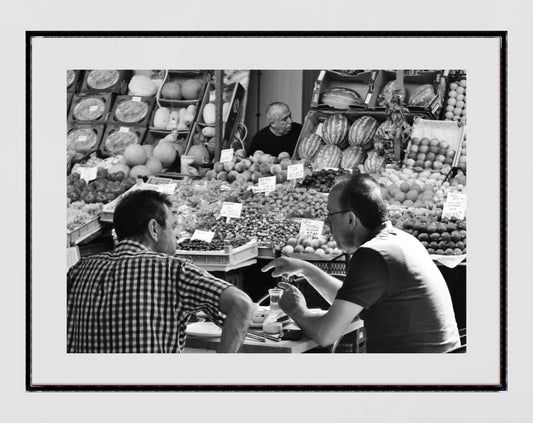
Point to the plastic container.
(131, 110)
(89, 108)
(116, 138)
(105, 81)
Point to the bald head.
(279, 118)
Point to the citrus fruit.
(405, 187)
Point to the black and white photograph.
(223, 217)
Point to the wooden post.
(219, 102)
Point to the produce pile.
(79, 213)
(321, 246)
(322, 180)
(214, 245)
(105, 188)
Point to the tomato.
(75, 176)
(74, 196)
(117, 176)
(110, 197)
(80, 183)
(90, 197)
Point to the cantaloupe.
(200, 154)
(154, 165)
(190, 90)
(171, 90)
(165, 153)
(135, 154)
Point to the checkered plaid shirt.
(134, 300)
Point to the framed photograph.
(297, 68)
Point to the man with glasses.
(391, 281)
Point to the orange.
(412, 195)
(404, 187)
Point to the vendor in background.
(391, 281)
(280, 135)
(139, 297)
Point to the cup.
(275, 295)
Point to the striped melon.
(388, 90)
(309, 145)
(341, 98)
(374, 162)
(335, 130)
(362, 132)
(422, 95)
(352, 157)
(328, 156)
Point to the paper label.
(231, 210)
(88, 173)
(455, 206)
(266, 184)
(310, 228)
(449, 261)
(295, 171)
(368, 97)
(136, 98)
(203, 235)
(124, 129)
(82, 138)
(168, 189)
(226, 155)
(93, 108)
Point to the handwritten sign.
(455, 206)
(168, 189)
(124, 129)
(206, 236)
(231, 210)
(136, 98)
(266, 184)
(295, 171)
(226, 155)
(88, 173)
(310, 228)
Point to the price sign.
(136, 98)
(266, 184)
(226, 155)
(295, 171)
(167, 188)
(455, 206)
(82, 138)
(231, 210)
(310, 228)
(203, 235)
(124, 129)
(93, 108)
(88, 173)
(368, 97)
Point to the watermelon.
(422, 95)
(341, 98)
(362, 132)
(328, 156)
(387, 92)
(335, 130)
(373, 162)
(352, 157)
(308, 146)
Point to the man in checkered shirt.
(139, 297)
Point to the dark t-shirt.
(267, 142)
(407, 305)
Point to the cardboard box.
(129, 110)
(90, 108)
(411, 81)
(362, 83)
(136, 134)
(106, 81)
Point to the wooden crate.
(228, 256)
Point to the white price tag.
(93, 108)
(226, 155)
(310, 228)
(82, 138)
(455, 206)
(295, 171)
(88, 173)
(203, 235)
(136, 98)
(124, 129)
(167, 188)
(266, 184)
(231, 210)
(368, 97)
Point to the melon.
(352, 157)
(141, 85)
(209, 114)
(171, 90)
(161, 118)
(135, 154)
(341, 98)
(422, 95)
(140, 170)
(166, 153)
(362, 132)
(374, 162)
(200, 155)
(388, 90)
(328, 156)
(190, 90)
(335, 130)
(154, 165)
(309, 146)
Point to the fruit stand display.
(419, 162)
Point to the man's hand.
(292, 301)
(284, 266)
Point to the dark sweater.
(267, 142)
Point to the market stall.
(157, 130)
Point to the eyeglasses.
(328, 216)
